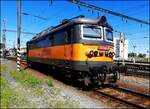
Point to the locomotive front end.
(95, 53)
(99, 57)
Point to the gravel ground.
(141, 82)
(66, 92)
(140, 85)
(78, 96)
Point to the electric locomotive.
(81, 47)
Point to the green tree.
(1, 45)
(141, 55)
(15, 51)
(132, 54)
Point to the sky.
(137, 34)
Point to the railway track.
(127, 96)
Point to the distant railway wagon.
(81, 47)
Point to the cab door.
(67, 46)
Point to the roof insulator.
(92, 11)
(97, 14)
(79, 8)
(51, 2)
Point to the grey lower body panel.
(73, 65)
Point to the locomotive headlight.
(90, 53)
(107, 53)
(95, 53)
(111, 54)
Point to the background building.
(118, 49)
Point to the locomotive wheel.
(87, 80)
(102, 77)
(115, 76)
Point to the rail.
(127, 96)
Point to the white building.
(119, 51)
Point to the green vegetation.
(9, 97)
(49, 81)
(26, 78)
(2, 68)
(19, 96)
(2, 45)
(6, 93)
(29, 81)
(138, 57)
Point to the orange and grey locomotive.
(81, 47)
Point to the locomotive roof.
(101, 21)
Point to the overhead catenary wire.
(108, 11)
(9, 30)
(36, 16)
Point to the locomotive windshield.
(92, 32)
(109, 35)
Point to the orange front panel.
(79, 53)
(76, 52)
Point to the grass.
(30, 81)
(49, 81)
(26, 79)
(14, 98)
(9, 97)
(2, 68)
(6, 93)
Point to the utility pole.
(122, 39)
(4, 37)
(134, 54)
(18, 35)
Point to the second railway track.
(127, 96)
